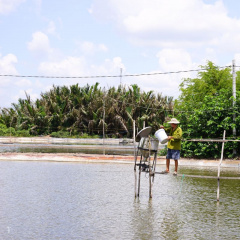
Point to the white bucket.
(161, 135)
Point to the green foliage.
(163, 152)
(3, 126)
(75, 111)
(205, 110)
(5, 131)
(60, 134)
(209, 122)
(209, 82)
(65, 134)
(22, 133)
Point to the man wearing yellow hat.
(174, 144)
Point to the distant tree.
(79, 110)
(205, 109)
(208, 83)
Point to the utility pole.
(10, 130)
(234, 100)
(121, 77)
(134, 133)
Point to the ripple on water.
(96, 201)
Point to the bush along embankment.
(205, 109)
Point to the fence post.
(134, 138)
(234, 100)
(218, 188)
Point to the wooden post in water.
(104, 122)
(219, 166)
(135, 158)
(139, 177)
(150, 169)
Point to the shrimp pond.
(55, 200)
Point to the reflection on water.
(43, 200)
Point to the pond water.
(59, 148)
(46, 200)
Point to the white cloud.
(91, 48)
(112, 65)
(40, 45)
(7, 64)
(73, 67)
(170, 59)
(177, 17)
(108, 67)
(23, 83)
(171, 23)
(38, 3)
(51, 29)
(80, 69)
(70, 66)
(12, 88)
(237, 60)
(102, 47)
(7, 6)
(39, 84)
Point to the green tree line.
(204, 108)
(82, 111)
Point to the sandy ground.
(97, 158)
(65, 157)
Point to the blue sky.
(71, 38)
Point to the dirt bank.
(99, 158)
(65, 157)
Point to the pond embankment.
(120, 145)
(101, 158)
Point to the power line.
(108, 76)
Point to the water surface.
(46, 200)
(69, 148)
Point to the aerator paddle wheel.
(145, 159)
